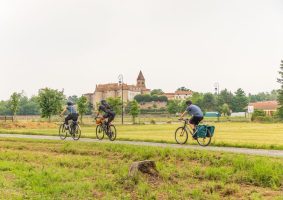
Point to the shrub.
(152, 121)
(258, 114)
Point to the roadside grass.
(72, 170)
(248, 135)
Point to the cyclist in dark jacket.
(108, 113)
(72, 113)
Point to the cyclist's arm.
(62, 113)
(183, 114)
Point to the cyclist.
(72, 113)
(195, 112)
(108, 113)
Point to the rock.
(145, 167)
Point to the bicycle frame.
(187, 127)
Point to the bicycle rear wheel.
(181, 135)
(112, 133)
(206, 140)
(76, 132)
(99, 132)
(62, 132)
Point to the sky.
(76, 44)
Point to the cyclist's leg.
(195, 122)
(75, 117)
(69, 117)
(111, 118)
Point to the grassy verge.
(249, 135)
(67, 170)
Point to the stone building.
(104, 91)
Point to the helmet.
(103, 102)
(70, 103)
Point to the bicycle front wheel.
(99, 132)
(112, 133)
(206, 140)
(181, 135)
(62, 132)
(76, 132)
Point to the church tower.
(141, 81)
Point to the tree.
(209, 102)
(89, 108)
(225, 109)
(4, 108)
(174, 106)
(134, 110)
(240, 101)
(183, 89)
(162, 99)
(225, 97)
(116, 104)
(14, 102)
(29, 106)
(157, 92)
(280, 92)
(50, 102)
(73, 99)
(82, 106)
(197, 99)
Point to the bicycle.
(102, 129)
(181, 133)
(73, 129)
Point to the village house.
(179, 95)
(269, 107)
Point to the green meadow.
(237, 134)
(37, 169)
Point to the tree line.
(47, 102)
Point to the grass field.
(67, 170)
(251, 135)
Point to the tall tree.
(134, 110)
(240, 101)
(50, 102)
(14, 103)
(225, 97)
(116, 104)
(209, 102)
(82, 107)
(280, 91)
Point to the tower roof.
(140, 77)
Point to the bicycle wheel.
(206, 140)
(76, 132)
(112, 133)
(62, 132)
(181, 135)
(99, 132)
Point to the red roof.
(265, 105)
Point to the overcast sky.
(194, 43)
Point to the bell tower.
(141, 81)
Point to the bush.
(263, 119)
(258, 114)
(152, 121)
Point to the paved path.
(262, 152)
